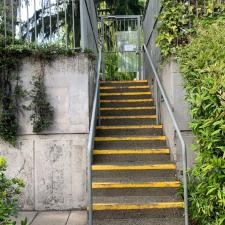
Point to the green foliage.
(10, 188)
(111, 69)
(42, 111)
(202, 64)
(174, 26)
(177, 21)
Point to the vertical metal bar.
(50, 19)
(66, 25)
(35, 22)
(103, 45)
(57, 5)
(43, 19)
(73, 20)
(13, 28)
(139, 46)
(5, 25)
(20, 20)
(28, 23)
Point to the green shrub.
(202, 64)
(9, 192)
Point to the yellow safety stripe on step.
(142, 138)
(126, 100)
(109, 185)
(116, 206)
(125, 93)
(134, 167)
(123, 87)
(129, 127)
(127, 108)
(130, 152)
(124, 82)
(128, 117)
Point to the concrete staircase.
(134, 181)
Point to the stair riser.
(125, 90)
(141, 221)
(115, 122)
(150, 158)
(124, 97)
(134, 175)
(129, 132)
(108, 84)
(135, 192)
(126, 104)
(129, 144)
(129, 214)
(127, 112)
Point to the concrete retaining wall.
(53, 164)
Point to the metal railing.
(70, 23)
(175, 124)
(94, 119)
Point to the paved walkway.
(54, 218)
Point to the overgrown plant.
(42, 111)
(202, 64)
(10, 189)
(177, 18)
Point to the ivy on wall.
(11, 89)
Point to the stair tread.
(141, 221)
(162, 184)
(135, 163)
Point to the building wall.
(53, 164)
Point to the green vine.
(11, 90)
(42, 111)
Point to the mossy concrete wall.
(53, 164)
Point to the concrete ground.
(53, 218)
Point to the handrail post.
(183, 146)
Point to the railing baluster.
(73, 19)
(35, 23)
(50, 19)
(5, 22)
(12, 20)
(43, 19)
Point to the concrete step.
(109, 189)
(112, 89)
(137, 130)
(128, 120)
(141, 221)
(125, 95)
(134, 175)
(130, 142)
(128, 111)
(137, 214)
(110, 158)
(127, 103)
(124, 83)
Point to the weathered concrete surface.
(69, 85)
(53, 165)
(53, 168)
(173, 84)
(53, 218)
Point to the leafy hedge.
(200, 50)
(202, 64)
(9, 192)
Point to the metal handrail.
(183, 145)
(95, 110)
